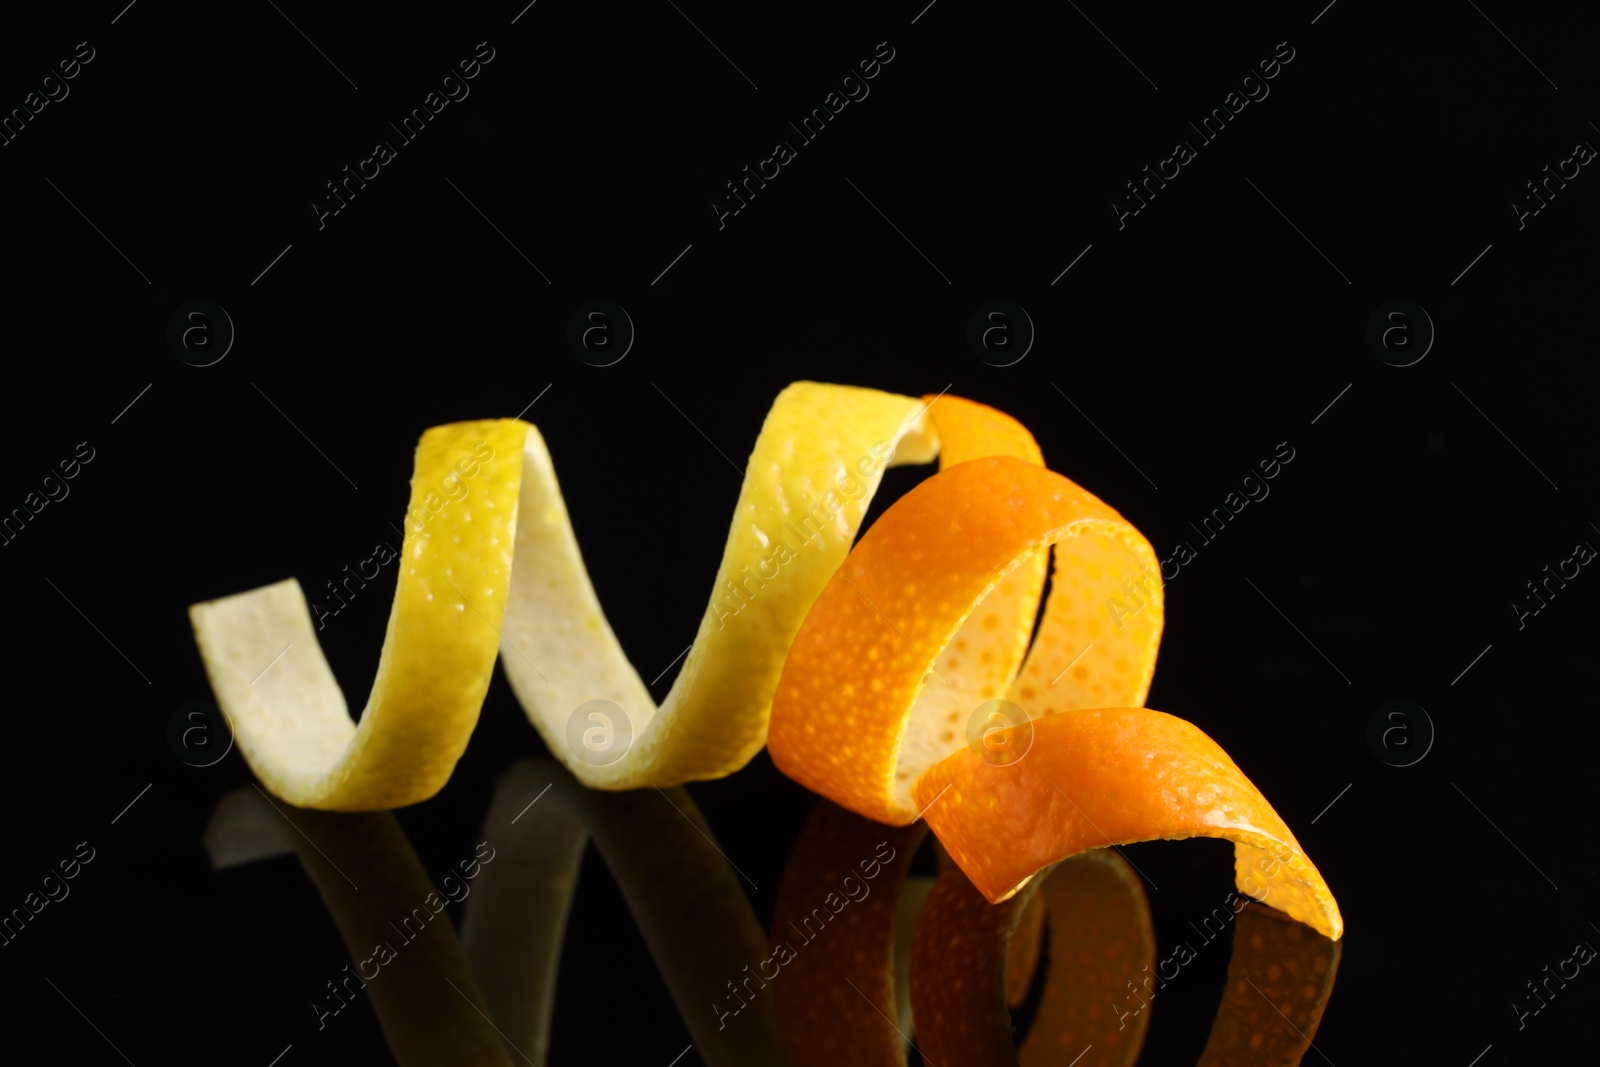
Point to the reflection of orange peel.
(1102, 956)
(1027, 945)
(809, 480)
(1279, 981)
(1101, 939)
(833, 934)
(909, 637)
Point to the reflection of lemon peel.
(270, 676)
(813, 471)
(654, 844)
(369, 877)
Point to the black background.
(1199, 336)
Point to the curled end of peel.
(270, 677)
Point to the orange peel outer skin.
(970, 430)
(844, 704)
(1116, 776)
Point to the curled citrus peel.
(286, 709)
(909, 639)
(485, 495)
(922, 624)
(815, 466)
(1115, 776)
(870, 708)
